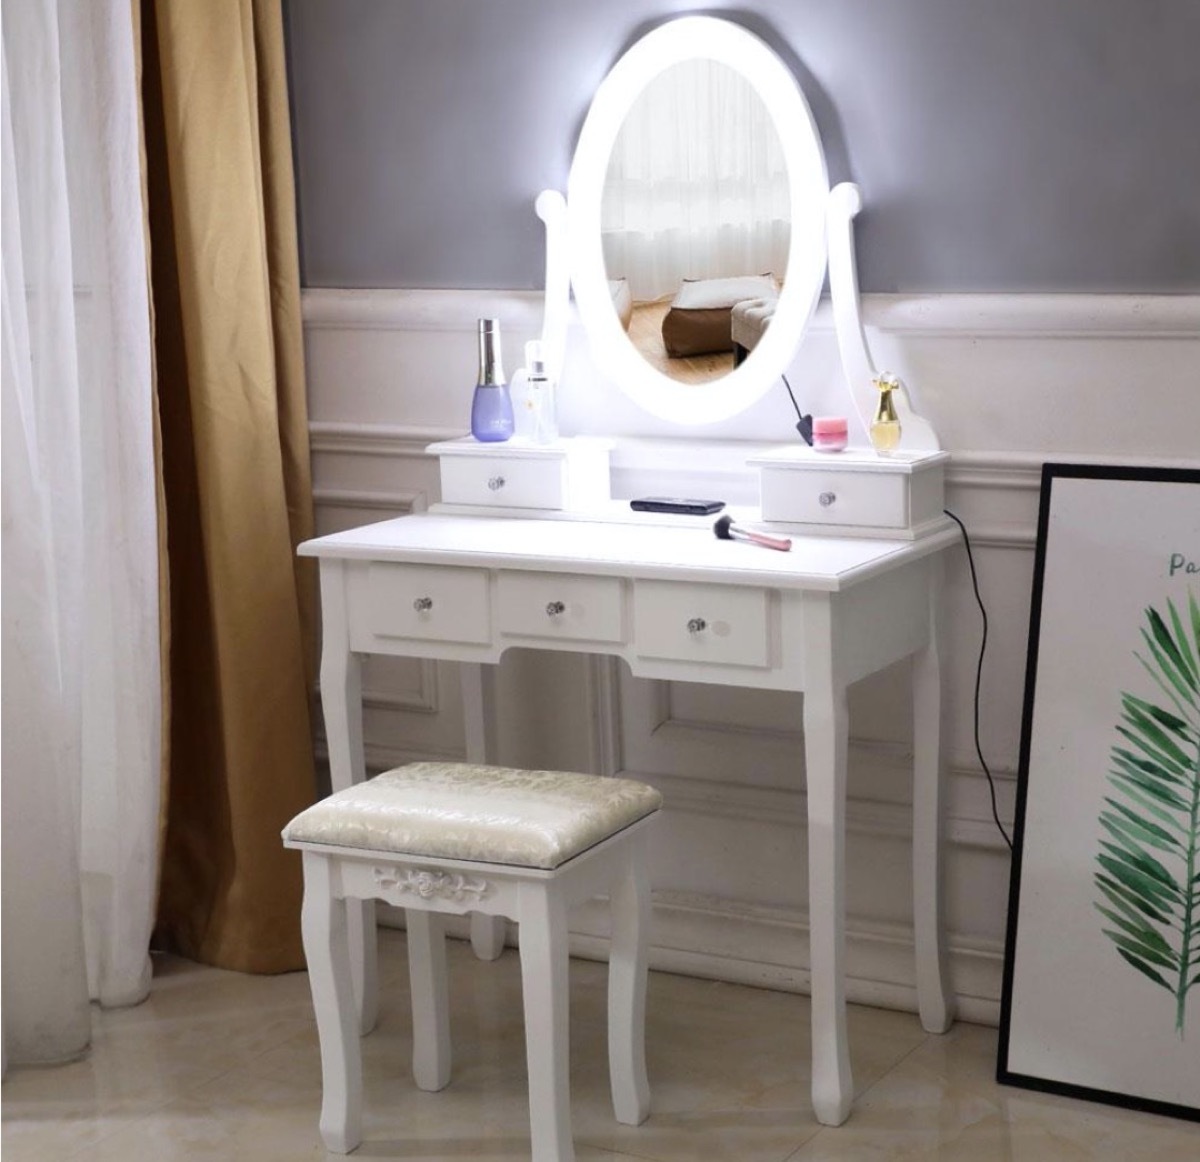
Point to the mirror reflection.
(695, 221)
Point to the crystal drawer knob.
(423, 604)
(554, 608)
(697, 625)
(495, 483)
(827, 498)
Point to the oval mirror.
(696, 212)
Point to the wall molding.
(961, 315)
(764, 804)
(420, 310)
(1011, 472)
(1036, 316)
(787, 807)
(395, 502)
(767, 946)
(391, 440)
(1019, 473)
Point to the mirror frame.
(683, 39)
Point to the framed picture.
(1102, 965)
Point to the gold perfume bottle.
(885, 427)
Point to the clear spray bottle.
(539, 389)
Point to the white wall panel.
(1010, 381)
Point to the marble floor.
(216, 1065)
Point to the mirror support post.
(845, 201)
(551, 207)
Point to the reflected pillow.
(698, 322)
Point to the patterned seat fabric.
(480, 813)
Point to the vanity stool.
(443, 839)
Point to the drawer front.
(428, 603)
(553, 606)
(869, 499)
(721, 624)
(503, 481)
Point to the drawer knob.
(423, 604)
(827, 498)
(554, 608)
(697, 625)
(495, 483)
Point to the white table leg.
(429, 984)
(826, 736)
(630, 907)
(546, 992)
(323, 924)
(341, 702)
(479, 723)
(934, 999)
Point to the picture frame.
(1101, 991)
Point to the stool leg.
(545, 988)
(364, 962)
(323, 925)
(487, 935)
(430, 998)
(630, 906)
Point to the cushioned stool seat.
(451, 838)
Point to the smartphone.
(680, 504)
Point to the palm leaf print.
(1149, 858)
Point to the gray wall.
(1002, 145)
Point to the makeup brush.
(726, 530)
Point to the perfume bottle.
(491, 407)
(885, 427)
(540, 389)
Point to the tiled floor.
(221, 1066)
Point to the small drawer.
(428, 603)
(867, 499)
(553, 606)
(721, 624)
(504, 481)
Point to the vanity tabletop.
(688, 552)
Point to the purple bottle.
(491, 408)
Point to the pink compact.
(830, 433)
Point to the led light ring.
(681, 40)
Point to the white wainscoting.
(1009, 380)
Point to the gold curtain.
(230, 371)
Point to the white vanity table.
(675, 603)
(530, 551)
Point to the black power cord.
(804, 423)
(979, 673)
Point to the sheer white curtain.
(81, 688)
(696, 185)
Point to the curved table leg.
(826, 736)
(935, 1001)
(341, 703)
